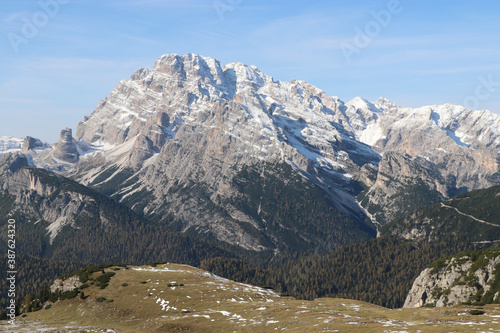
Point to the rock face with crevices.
(194, 136)
(471, 278)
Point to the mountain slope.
(59, 219)
(456, 147)
(472, 217)
(207, 124)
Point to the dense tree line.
(379, 271)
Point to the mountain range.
(229, 154)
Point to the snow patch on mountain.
(371, 134)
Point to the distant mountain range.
(9, 144)
(229, 154)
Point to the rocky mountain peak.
(361, 104)
(66, 147)
(246, 77)
(190, 67)
(31, 143)
(383, 104)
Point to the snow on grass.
(165, 305)
(215, 277)
(238, 317)
(224, 313)
(201, 315)
(158, 269)
(468, 323)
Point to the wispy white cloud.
(23, 100)
(292, 39)
(16, 16)
(162, 3)
(458, 70)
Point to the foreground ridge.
(180, 297)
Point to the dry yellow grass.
(206, 303)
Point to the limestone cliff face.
(239, 115)
(37, 194)
(183, 131)
(401, 185)
(467, 278)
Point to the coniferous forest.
(379, 271)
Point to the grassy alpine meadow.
(173, 297)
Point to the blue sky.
(412, 52)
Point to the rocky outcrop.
(12, 162)
(66, 147)
(467, 278)
(143, 149)
(68, 284)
